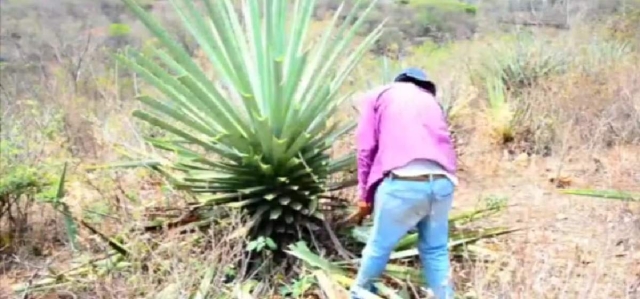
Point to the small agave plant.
(259, 144)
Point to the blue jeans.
(401, 205)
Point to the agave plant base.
(283, 203)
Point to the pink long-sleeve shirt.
(398, 123)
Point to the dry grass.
(586, 120)
(573, 248)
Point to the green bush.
(21, 185)
(27, 175)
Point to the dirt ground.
(573, 246)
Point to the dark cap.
(417, 77)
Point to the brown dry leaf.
(561, 181)
(334, 291)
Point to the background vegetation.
(541, 94)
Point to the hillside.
(543, 97)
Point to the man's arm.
(366, 142)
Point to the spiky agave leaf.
(607, 194)
(460, 241)
(266, 153)
(340, 273)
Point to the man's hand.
(356, 218)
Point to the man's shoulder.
(370, 96)
(409, 93)
(409, 88)
(380, 90)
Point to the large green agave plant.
(259, 142)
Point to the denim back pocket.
(442, 189)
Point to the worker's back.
(412, 126)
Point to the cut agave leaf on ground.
(407, 242)
(205, 284)
(342, 279)
(331, 288)
(457, 237)
(335, 287)
(364, 294)
(339, 273)
(361, 233)
(466, 238)
(302, 252)
(608, 194)
(404, 254)
(244, 290)
(126, 164)
(387, 291)
(470, 216)
(404, 273)
(45, 285)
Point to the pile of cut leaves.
(330, 275)
(335, 277)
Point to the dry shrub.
(29, 169)
(602, 108)
(625, 24)
(20, 188)
(409, 23)
(172, 265)
(578, 88)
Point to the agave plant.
(260, 143)
(500, 110)
(521, 61)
